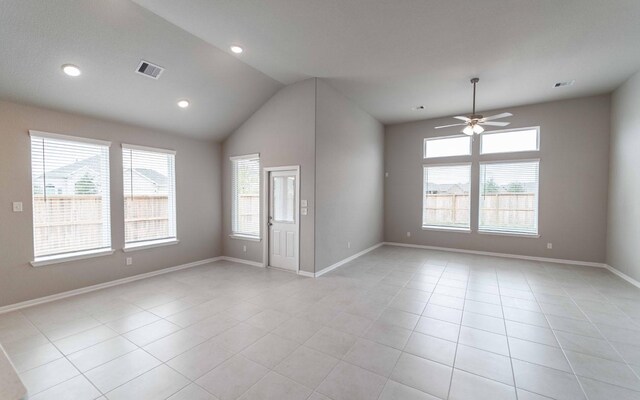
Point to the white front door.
(283, 219)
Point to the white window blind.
(447, 146)
(509, 197)
(245, 202)
(149, 194)
(510, 141)
(70, 187)
(446, 200)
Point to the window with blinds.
(446, 199)
(245, 202)
(70, 188)
(149, 194)
(509, 197)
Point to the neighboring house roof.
(152, 175)
(65, 172)
(93, 163)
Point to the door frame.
(266, 195)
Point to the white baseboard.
(243, 261)
(346, 260)
(307, 274)
(503, 255)
(87, 289)
(623, 275)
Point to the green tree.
(491, 186)
(515, 187)
(85, 185)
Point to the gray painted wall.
(623, 233)
(198, 204)
(349, 178)
(573, 182)
(282, 131)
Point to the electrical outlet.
(408, 234)
(244, 248)
(386, 174)
(348, 245)
(17, 206)
(129, 261)
(549, 245)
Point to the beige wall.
(573, 156)
(282, 131)
(349, 178)
(623, 233)
(198, 204)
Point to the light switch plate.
(303, 211)
(303, 203)
(17, 206)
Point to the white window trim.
(81, 254)
(66, 257)
(424, 146)
(149, 244)
(145, 148)
(239, 235)
(511, 233)
(245, 157)
(250, 238)
(536, 128)
(444, 227)
(49, 135)
(173, 216)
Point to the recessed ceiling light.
(183, 103)
(236, 49)
(71, 70)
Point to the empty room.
(319, 200)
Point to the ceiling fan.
(474, 123)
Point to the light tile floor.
(397, 323)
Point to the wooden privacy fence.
(498, 209)
(74, 221)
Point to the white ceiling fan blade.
(495, 123)
(449, 126)
(497, 116)
(465, 119)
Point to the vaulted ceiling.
(386, 55)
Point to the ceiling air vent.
(150, 70)
(565, 83)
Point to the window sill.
(245, 237)
(515, 234)
(149, 244)
(446, 229)
(78, 255)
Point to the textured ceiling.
(107, 39)
(391, 55)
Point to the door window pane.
(284, 198)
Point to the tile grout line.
(506, 332)
(453, 367)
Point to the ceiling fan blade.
(465, 119)
(495, 123)
(449, 126)
(497, 116)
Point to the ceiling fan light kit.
(473, 124)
